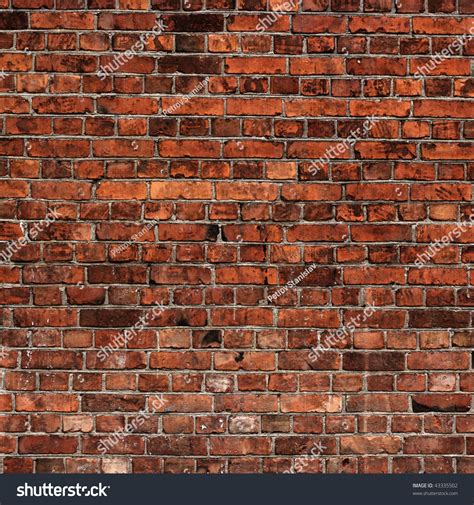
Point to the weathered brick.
(226, 170)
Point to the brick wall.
(170, 199)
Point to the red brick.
(211, 136)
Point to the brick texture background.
(227, 178)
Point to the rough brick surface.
(201, 151)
